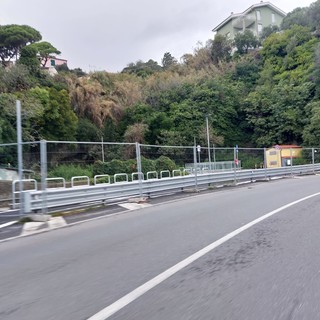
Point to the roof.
(285, 146)
(258, 5)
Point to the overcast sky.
(109, 34)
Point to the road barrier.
(33, 200)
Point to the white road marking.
(31, 227)
(7, 224)
(134, 206)
(56, 222)
(135, 294)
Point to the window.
(273, 18)
(258, 15)
(272, 153)
(52, 62)
(259, 28)
(273, 163)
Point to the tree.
(142, 69)
(87, 131)
(266, 31)
(58, 122)
(221, 48)
(313, 15)
(28, 57)
(13, 38)
(248, 70)
(245, 41)
(311, 132)
(298, 16)
(44, 50)
(16, 78)
(89, 101)
(168, 60)
(136, 133)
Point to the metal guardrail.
(33, 200)
(16, 192)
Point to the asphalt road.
(269, 271)
(8, 216)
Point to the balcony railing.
(244, 21)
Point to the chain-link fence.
(49, 164)
(58, 162)
(165, 161)
(70, 159)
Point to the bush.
(165, 163)
(114, 166)
(67, 171)
(130, 166)
(147, 165)
(300, 161)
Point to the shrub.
(165, 163)
(67, 171)
(130, 166)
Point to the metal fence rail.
(55, 198)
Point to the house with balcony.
(255, 18)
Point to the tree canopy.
(13, 38)
(253, 98)
(44, 50)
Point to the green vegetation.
(130, 166)
(266, 93)
(71, 170)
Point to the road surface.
(269, 269)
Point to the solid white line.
(135, 294)
(7, 224)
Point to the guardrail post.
(43, 160)
(139, 167)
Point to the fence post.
(102, 149)
(20, 160)
(313, 160)
(139, 168)
(214, 157)
(195, 167)
(43, 163)
(291, 161)
(208, 140)
(265, 162)
(234, 164)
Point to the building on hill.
(52, 62)
(255, 18)
(282, 155)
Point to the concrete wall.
(9, 175)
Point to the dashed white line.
(135, 294)
(7, 224)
